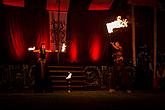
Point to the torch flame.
(69, 76)
(31, 48)
(63, 47)
(117, 24)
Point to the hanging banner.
(54, 5)
(57, 26)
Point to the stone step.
(66, 86)
(66, 71)
(79, 81)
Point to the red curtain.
(18, 3)
(91, 39)
(95, 47)
(53, 5)
(15, 37)
(24, 29)
(42, 29)
(74, 50)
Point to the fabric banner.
(54, 5)
(57, 26)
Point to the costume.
(41, 73)
(116, 75)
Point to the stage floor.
(81, 100)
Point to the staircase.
(58, 74)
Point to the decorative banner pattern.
(57, 26)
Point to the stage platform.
(83, 100)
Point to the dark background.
(22, 27)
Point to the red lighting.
(100, 5)
(73, 51)
(95, 49)
(53, 5)
(18, 47)
(16, 41)
(18, 3)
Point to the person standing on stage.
(41, 79)
(118, 54)
(115, 81)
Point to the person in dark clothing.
(128, 76)
(118, 54)
(144, 68)
(41, 69)
(115, 81)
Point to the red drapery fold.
(53, 5)
(74, 50)
(42, 30)
(95, 48)
(18, 3)
(16, 40)
(24, 29)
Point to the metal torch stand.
(69, 85)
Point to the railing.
(16, 76)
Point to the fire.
(63, 47)
(31, 48)
(117, 24)
(69, 76)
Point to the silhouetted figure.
(144, 68)
(128, 77)
(41, 76)
(116, 75)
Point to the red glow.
(18, 46)
(42, 34)
(53, 5)
(95, 49)
(18, 3)
(43, 39)
(155, 83)
(16, 40)
(73, 51)
(100, 5)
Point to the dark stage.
(80, 100)
(43, 41)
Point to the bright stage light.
(116, 24)
(63, 47)
(69, 75)
(31, 48)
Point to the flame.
(31, 48)
(63, 47)
(69, 76)
(117, 24)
